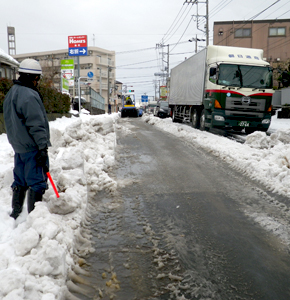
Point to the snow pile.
(41, 252)
(263, 158)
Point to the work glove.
(41, 159)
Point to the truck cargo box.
(188, 92)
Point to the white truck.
(223, 87)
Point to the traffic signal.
(131, 91)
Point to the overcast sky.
(127, 27)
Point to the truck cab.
(238, 94)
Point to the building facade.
(273, 36)
(99, 61)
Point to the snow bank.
(41, 252)
(263, 158)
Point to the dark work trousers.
(27, 173)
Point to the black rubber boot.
(18, 197)
(32, 198)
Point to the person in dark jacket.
(27, 130)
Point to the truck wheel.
(195, 119)
(174, 117)
(202, 121)
(250, 130)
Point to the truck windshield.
(245, 76)
(163, 104)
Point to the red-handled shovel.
(52, 183)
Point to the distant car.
(162, 109)
(140, 112)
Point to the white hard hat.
(30, 66)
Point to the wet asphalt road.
(177, 228)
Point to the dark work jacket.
(25, 119)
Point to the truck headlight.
(266, 121)
(219, 118)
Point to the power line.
(285, 12)
(255, 16)
(222, 4)
(135, 77)
(182, 34)
(168, 38)
(145, 49)
(278, 9)
(137, 50)
(283, 43)
(172, 24)
(142, 62)
(151, 67)
(182, 53)
(252, 19)
(140, 81)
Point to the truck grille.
(245, 106)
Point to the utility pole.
(207, 24)
(165, 76)
(167, 62)
(206, 16)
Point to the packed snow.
(41, 253)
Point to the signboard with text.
(163, 92)
(67, 70)
(77, 45)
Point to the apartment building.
(273, 36)
(100, 62)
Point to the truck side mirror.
(212, 74)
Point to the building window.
(277, 31)
(243, 32)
